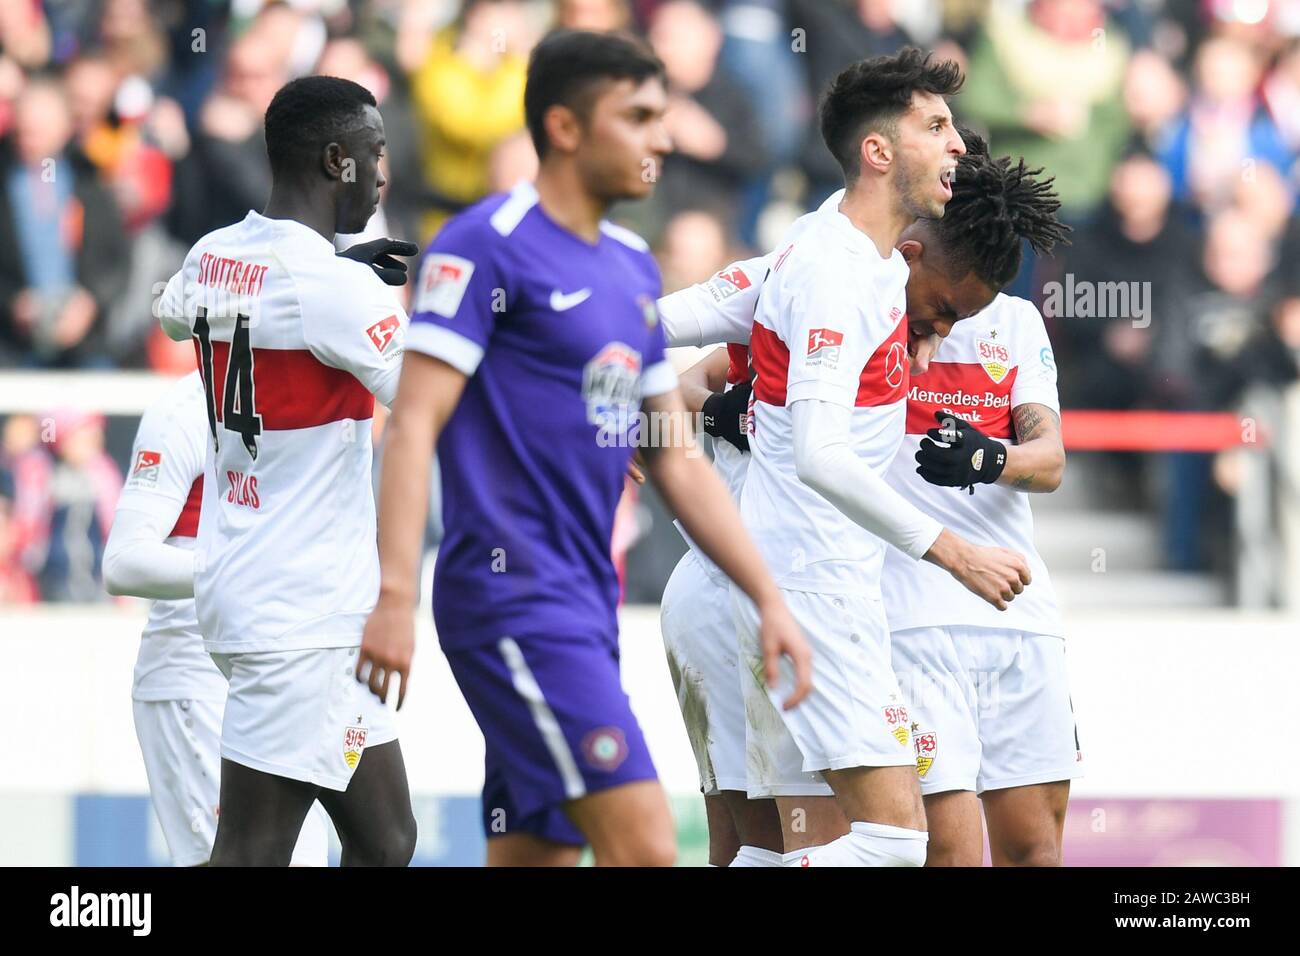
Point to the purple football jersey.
(560, 340)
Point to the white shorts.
(855, 715)
(181, 742)
(301, 714)
(992, 708)
(700, 638)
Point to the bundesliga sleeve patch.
(381, 334)
(443, 281)
(824, 347)
(144, 473)
(727, 283)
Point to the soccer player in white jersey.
(178, 694)
(295, 345)
(991, 713)
(955, 266)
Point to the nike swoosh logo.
(560, 302)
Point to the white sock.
(756, 856)
(796, 857)
(873, 844)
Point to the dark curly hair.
(996, 205)
(871, 96)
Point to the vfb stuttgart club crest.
(896, 718)
(995, 358)
(611, 387)
(354, 741)
(927, 748)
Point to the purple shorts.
(557, 727)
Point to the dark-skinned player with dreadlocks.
(956, 265)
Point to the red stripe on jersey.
(294, 389)
(771, 365)
(738, 367)
(882, 381)
(884, 378)
(187, 523)
(963, 389)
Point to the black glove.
(970, 458)
(726, 415)
(379, 253)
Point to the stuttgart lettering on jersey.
(233, 275)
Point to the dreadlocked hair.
(994, 207)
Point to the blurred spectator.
(692, 248)
(1135, 239)
(25, 468)
(600, 15)
(16, 585)
(25, 33)
(1201, 353)
(513, 160)
(84, 488)
(1224, 133)
(63, 255)
(837, 33)
(1154, 94)
(114, 123)
(1046, 83)
(131, 40)
(1281, 94)
(227, 173)
(468, 91)
(717, 144)
(759, 50)
(12, 80)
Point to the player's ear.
(334, 160)
(563, 128)
(912, 249)
(875, 152)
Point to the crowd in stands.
(129, 128)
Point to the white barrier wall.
(1197, 706)
(1200, 707)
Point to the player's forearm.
(699, 499)
(403, 507)
(1037, 461)
(138, 564)
(703, 379)
(825, 462)
(1036, 466)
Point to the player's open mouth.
(946, 179)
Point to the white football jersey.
(830, 325)
(294, 345)
(728, 461)
(992, 362)
(166, 479)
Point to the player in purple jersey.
(534, 340)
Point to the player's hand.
(778, 636)
(387, 646)
(726, 415)
(995, 574)
(380, 255)
(921, 349)
(967, 457)
(636, 467)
